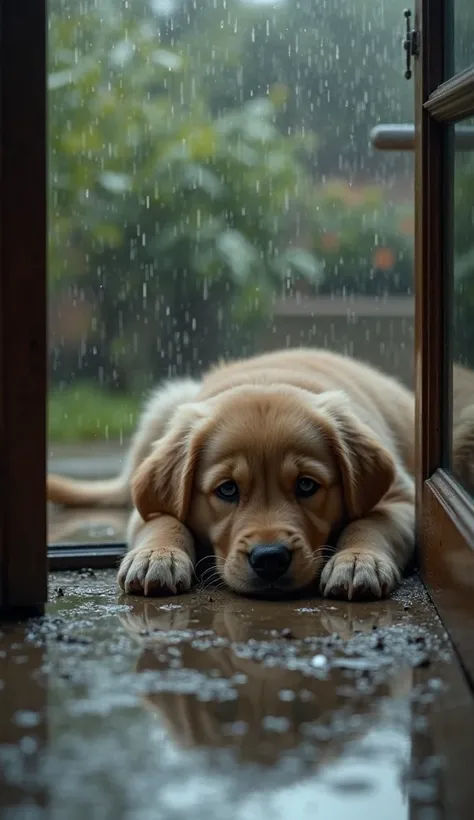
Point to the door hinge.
(411, 44)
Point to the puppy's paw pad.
(351, 575)
(155, 571)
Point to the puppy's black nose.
(270, 561)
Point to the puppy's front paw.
(352, 574)
(155, 571)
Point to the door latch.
(410, 44)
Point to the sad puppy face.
(265, 476)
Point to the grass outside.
(88, 413)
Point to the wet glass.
(213, 193)
(463, 34)
(463, 306)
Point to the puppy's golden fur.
(320, 448)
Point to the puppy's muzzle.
(269, 561)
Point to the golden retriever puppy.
(275, 462)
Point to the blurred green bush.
(170, 216)
(183, 191)
(85, 412)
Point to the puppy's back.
(378, 399)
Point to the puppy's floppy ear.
(163, 482)
(367, 468)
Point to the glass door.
(439, 51)
(443, 39)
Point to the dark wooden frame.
(445, 512)
(23, 305)
(81, 556)
(431, 285)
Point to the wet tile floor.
(210, 705)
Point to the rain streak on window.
(213, 192)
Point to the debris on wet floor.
(120, 701)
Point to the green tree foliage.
(341, 63)
(157, 205)
(184, 189)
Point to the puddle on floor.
(223, 707)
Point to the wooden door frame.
(445, 512)
(23, 233)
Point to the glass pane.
(463, 311)
(213, 193)
(463, 16)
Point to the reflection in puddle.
(162, 708)
(227, 686)
(350, 783)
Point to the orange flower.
(330, 241)
(407, 226)
(383, 258)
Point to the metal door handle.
(402, 137)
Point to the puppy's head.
(265, 475)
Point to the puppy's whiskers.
(320, 554)
(214, 561)
(215, 583)
(211, 577)
(201, 560)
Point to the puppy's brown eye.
(305, 487)
(228, 491)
